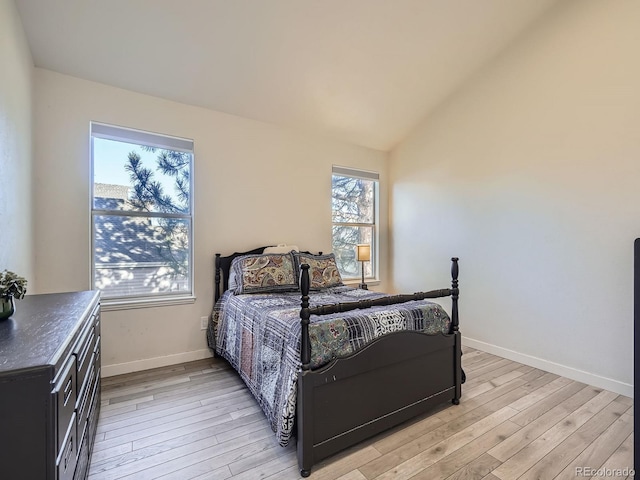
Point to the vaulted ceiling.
(363, 71)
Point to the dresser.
(49, 386)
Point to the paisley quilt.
(259, 334)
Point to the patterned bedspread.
(259, 334)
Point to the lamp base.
(363, 286)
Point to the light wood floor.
(197, 420)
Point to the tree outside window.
(141, 210)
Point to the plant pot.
(7, 307)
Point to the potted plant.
(12, 286)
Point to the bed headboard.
(223, 265)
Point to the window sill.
(355, 283)
(112, 305)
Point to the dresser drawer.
(67, 459)
(82, 468)
(94, 408)
(64, 393)
(85, 401)
(84, 353)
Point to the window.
(354, 196)
(141, 211)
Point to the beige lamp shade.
(363, 252)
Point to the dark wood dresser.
(49, 386)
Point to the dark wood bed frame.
(394, 378)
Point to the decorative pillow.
(323, 270)
(272, 272)
(281, 248)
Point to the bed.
(330, 364)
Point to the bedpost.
(455, 330)
(304, 407)
(305, 346)
(217, 277)
(455, 293)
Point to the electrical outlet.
(203, 323)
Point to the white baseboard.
(569, 372)
(148, 363)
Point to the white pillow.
(281, 248)
(232, 284)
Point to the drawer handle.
(68, 389)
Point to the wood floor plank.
(491, 371)
(140, 377)
(139, 434)
(486, 371)
(353, 459)
(541, 407)
(210, 394)
(486, 363)
(476, 470)
(123, 419)
(600, 449)
(198, 421)
(541, 393)
(515, 466)
(118, 410)
(621, 460)
(217, 426)
(533, 430)
(221, 473)
(286, 459)
(201, 413)
(148, 388)
(458, 460)
(353, 475)
(466, 405)
(160, 460)
(402, 436)
(408, 449)
(424, 459)
(491, 476)
(558, 458)
(106, 404)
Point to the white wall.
(16, 251)
(531, 174)
(255, 184)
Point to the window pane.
(141, 255)
(352, 200)
(134, 177)
(345, 239)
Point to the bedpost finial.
(454, 270)
(305, 283)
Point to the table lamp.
(363, 255)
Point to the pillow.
(274, 272)
(281, 248)
(231, 283)
(323, 270)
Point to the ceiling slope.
(363, 71)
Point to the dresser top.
(42, 328)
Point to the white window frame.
(375, 251)
(140, 137)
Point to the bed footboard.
(393, 379)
